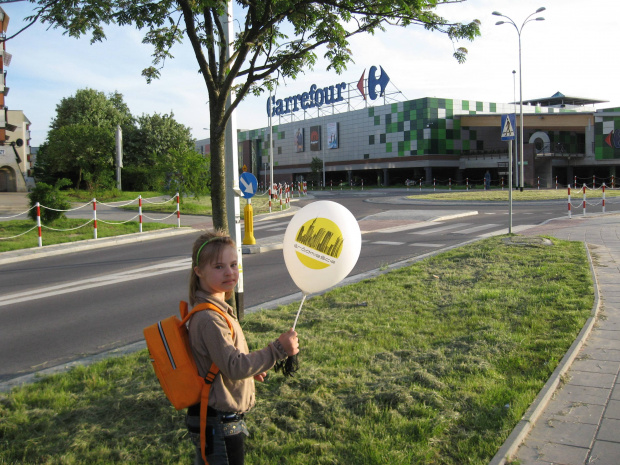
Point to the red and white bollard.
(538, 182)
(140, 212)
(569, 212)
(556, 183)
(603, 187)
(39, 223)
(94, 218)
(584, 200)
(467, 183)
(178, 212)
(434, 183)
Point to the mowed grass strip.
(63, 231)
(434, 363)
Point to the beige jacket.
(211, 341)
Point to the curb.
(527, 422)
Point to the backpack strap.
(204, 404)
(210, 377)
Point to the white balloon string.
(303, 299)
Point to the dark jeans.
(221, 449)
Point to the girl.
(213, 278)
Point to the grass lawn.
(434, 363)
(23, 234)
(502, 195)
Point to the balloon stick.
(303, 299)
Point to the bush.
(50, 197)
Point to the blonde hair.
(207, 249)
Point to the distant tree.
(316, 166)
(150, 149)
(274, 38)
(93, 108)
(187, 173)
(82, 152)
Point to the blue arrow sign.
(509, 126)
(248, 185)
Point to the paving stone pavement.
(580, 424)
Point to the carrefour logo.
(373, 82)
(315, 97)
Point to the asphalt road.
(59, 309)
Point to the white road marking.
(99, 281)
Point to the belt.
(225, 417)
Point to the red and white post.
(178, 212)
(39, 223)
(584, 200)
(140, 212)
(603, 188)
(94, 218)
(569, 213)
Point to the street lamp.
(510, 21)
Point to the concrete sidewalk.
(575, 419)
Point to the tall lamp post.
(510, 21)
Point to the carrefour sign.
(317, 96)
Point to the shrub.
(52, 198)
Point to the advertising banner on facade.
(332, 135)
(299, 140)
(315, 138)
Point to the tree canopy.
(273, 39)
(157, 149)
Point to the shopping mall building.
(366, 131)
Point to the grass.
(502, 195)
(63, 231)
(434, 363)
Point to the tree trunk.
(218, 175)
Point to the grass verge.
(434, 363)
(63, 231)
(495, 195)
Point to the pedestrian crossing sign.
(508, 127)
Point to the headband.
(205, 243)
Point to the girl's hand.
(260, 377)
(289, 342)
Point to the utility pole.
(233, 210)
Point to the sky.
(572, 51)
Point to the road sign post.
(248, 184)
(508, 134)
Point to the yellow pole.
(248, 213)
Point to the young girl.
(213, 278)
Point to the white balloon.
(321, 245)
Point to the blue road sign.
(509, 126)
(248, 185)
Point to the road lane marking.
(99, 281)
(474, 229)
(441, 228)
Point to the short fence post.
(94, 218)
(434, 182)
(178, 212)
(569, 213)
(593, 181)
(140, 212)
(538, 182)
(556, 183)
(39, 223)
(467, 183)
(603, 187)
(450, 183)
(584, 199)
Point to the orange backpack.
(174, 364)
